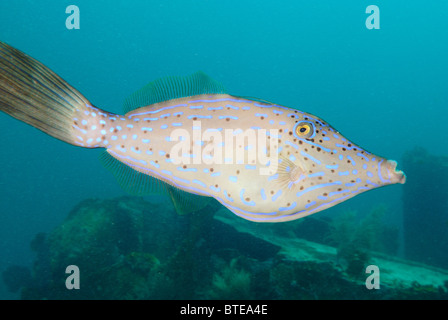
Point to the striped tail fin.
(34, 94)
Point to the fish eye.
(304, 129)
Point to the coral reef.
(127, 248)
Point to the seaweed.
(126, 248)
(231, 283)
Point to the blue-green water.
(384, 89)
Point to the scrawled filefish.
(263, 161)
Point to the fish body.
(263, 161)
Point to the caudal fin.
(34, 94)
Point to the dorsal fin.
(173, 87)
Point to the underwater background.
(385, 89)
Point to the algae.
(127, 248)
(231, 283)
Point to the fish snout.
(389, 169)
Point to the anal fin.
(185, 202)
(132, 181)
(140, 184)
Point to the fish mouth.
(395, 176)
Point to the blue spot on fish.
(227, 196)
(230, 117)
(303, 153)
(232, 107)
(292, 206)
(200, 117)
(136, 151)
(154, 164)
(249, 203)
(310, 204)
(275, 196)
(351, 159)
(263, 194)
(202, 184)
